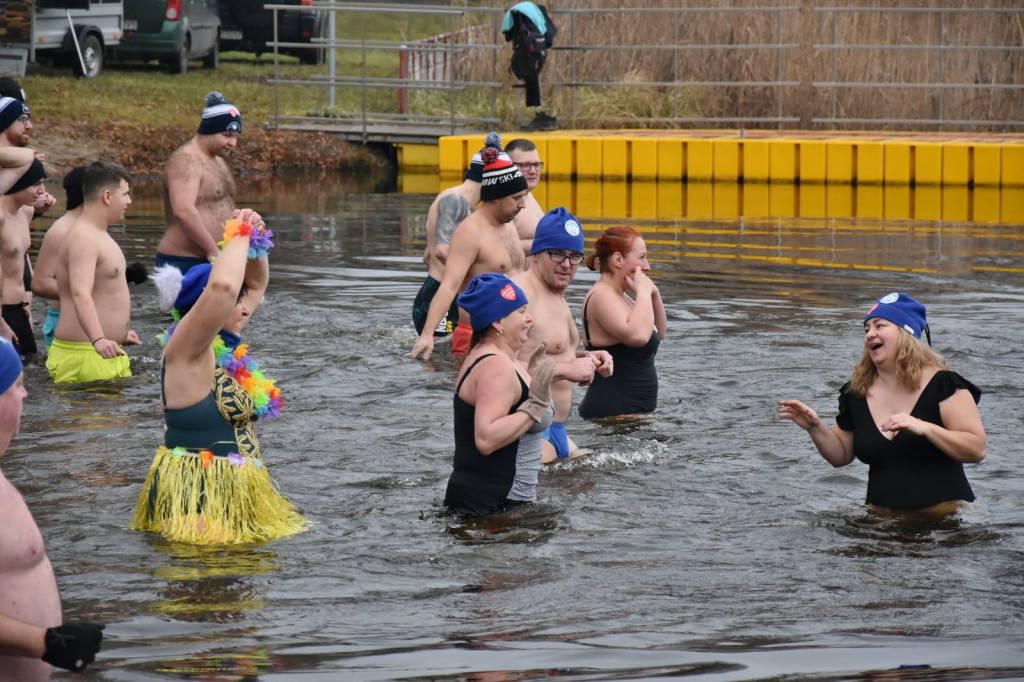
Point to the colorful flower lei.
(238, 365)
(259, 238)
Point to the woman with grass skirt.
(208, 483)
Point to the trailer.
(75, 33)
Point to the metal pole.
(332, 59)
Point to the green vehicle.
(172, 31)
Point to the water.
(710, 542)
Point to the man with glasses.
(525, 156)
(556, 254)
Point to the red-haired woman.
(630, 328)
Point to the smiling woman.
(904, 414)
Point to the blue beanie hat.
(558, 229)
(902, 310)
(219, 116)
(192, 285)
(34, 174)
(490, 297)
(11, 109)
(10, 365)
(476, 165)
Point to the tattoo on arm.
(451, 211)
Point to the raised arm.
(835, 444)
(230, 271)
(14, 161)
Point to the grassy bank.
(136, 115)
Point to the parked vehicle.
(173, 31)
(248, 27)
(78, 33)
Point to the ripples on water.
(710, 541)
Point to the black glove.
(136, 273)
(73, 646)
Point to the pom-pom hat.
(11, 109)
(490, 297)
(558, 230)
(501, 177)
(219, 116)
(10, 365)
(178, 291)
(902, 310)
(476, 165)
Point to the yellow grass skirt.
(197, 498)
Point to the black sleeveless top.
(633, 386)
(478, 484)
(907, 472)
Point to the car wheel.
(92, 56)
(212, 60)
(179, 64)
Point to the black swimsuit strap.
(586, 327)
(475, 363)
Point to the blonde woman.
(904, 413)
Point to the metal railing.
(756, 67)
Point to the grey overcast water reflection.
(710, 542)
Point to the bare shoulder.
(183, 159)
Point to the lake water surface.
(710, 542)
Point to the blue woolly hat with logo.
(490, 297)
(558, 230)
(902, 310)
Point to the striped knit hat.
(219, 116)
(501, 177)
(11, 110)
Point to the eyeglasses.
(24, 118)
(561, 256)
(531, 166)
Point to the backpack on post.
(529, 43)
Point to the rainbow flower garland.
(259, 238)
(238, 365)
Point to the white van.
(76, 33)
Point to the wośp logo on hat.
(508, 293)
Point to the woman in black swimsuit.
(629, 328)
(501, 407)
(904, 414)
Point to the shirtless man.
(557, 252)
(16, 211)
(16, 124)
(31, 635)
(525, 156)
(14, 163)
(44, 280)
(199, 189)
(95, 307)
(486, 241)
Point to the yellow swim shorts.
(76, 362)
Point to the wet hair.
(617, 238)
(100, 176)
(520, 144)
(912, 356)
